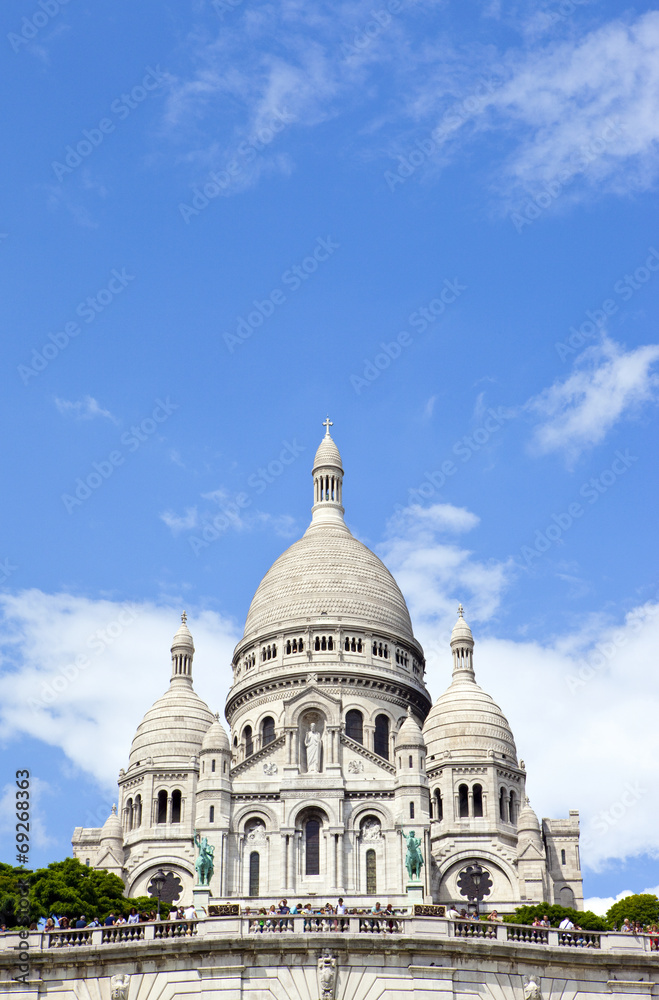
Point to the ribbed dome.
(527, 821)
(467, 722)
(173, 729)
(112, 829)
(409, 734)
(216, 737)
(329, 571)
(328, 454)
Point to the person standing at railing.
(110, 920)
(375, 924)
(453, 913)
(133, 916)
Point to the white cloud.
(180, 522)
(578, 411)
(86, 408)
(587, 107)
(81, 708)
(601, 904)
(436, 574)
(429, 408)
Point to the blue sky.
(435, 221)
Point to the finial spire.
(184, 618)
(461, 611)
(327, 423)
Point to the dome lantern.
(327, 475)
(182, 652)
(462, 646)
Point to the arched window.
(439, 806)
(224, 767)
(248, 740)
(502, 805)
(371, 873)
(162, 807)
(312, 836)
(355, 725)
(512, 815)
(478, 800)
(300, 646)
(267, 730)
(330, 643)
(254, 865)
(129, 814)
(567, 897)
(411, 759)
(562, 857)
(463, 801)
(137, 812)
(176, 806)
(381, 736)
(213, 765)
(411, 810)
(316, 644)
(211, 814)
(288, 646)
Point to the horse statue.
(204, 866)
(413, 858)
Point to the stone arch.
(254, 810)
(142, 874)
(505, 888)
(370, 809)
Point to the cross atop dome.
(327, 423)
(184, 618)
(461, 611)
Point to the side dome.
(216, 737)
(465, 721)
(410, 734)
(174, 727)
(112, 830)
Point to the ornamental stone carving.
(355, 766)
(371, 830)
(270, 768)
(119, 987)
(531, 988)
(255, 832)
(327, 970)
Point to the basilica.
(332, 755)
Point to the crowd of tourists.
(324, 918)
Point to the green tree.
(643, 907)
(587, 920)
(68, 888)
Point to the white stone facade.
(334, 753)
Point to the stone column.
(340, 877)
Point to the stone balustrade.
(401, 924)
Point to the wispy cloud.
(180, 522)
(86, 408)
(578, 411)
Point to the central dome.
(328, 572)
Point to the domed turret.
(174, 727)
(410, 735)
(216, 738)
(465, 721)
(528, 824)
(112, 833)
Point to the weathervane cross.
(327, 423)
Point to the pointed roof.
(410, 734)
